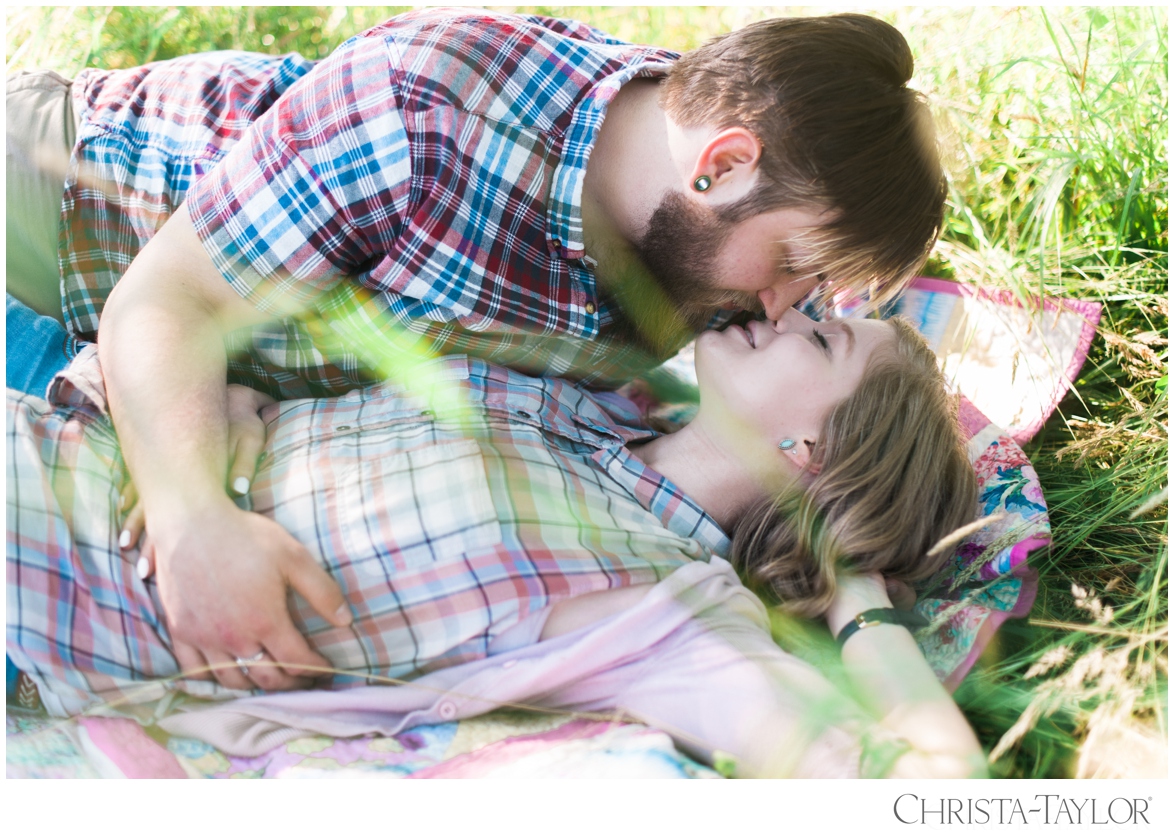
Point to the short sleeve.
(316, 187)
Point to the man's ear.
(730, 160)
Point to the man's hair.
(893, 480)
(826, 97)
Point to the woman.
(541, 546)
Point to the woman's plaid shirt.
(444, 525)
(420, 188)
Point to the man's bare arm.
(223, 573)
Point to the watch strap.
(880, 616)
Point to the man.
(522, 189)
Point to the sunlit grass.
(1053, 125)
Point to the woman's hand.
(218, 609)
(246, 435)
(246, 440)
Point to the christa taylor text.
(1041, 809)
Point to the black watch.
(881, 616)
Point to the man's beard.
(680, 251)
(669, 297)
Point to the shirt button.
(524, 414)
(590, 307)
(447, 710)
(427, 413)
(343, 428)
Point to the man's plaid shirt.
(444, 526)
(420, 188)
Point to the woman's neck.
(709, 474)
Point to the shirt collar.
(565, 217)
(604, 420)
(657, 493)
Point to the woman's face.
(779, 380)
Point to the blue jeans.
(38, 347)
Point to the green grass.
(1053, 125)
(1059, 186)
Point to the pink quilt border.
(1088, 310)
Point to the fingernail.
(241, 485)
(143, 567)
(124, 539)
(343, 615)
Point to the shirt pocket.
(416, 508)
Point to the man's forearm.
(167, 403)
(223, 574)
(163, 359)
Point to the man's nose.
(773, 304)
(780, 297)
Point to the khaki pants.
(39, 132)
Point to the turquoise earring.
(702, 183)
(787, 445)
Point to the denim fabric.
(38, 347)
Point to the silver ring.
(243, 662)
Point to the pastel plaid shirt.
(420, 188)
(445, 526)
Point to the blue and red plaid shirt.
(420, 187)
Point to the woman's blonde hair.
(893, 479)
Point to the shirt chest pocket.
(415, 509)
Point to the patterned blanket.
(501, 745)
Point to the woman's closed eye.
(821, 341)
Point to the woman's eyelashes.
(821, 341)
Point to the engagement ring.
(243, 662)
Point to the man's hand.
(219, 610)
(223, 582)
(246, 439)
(223, 573)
